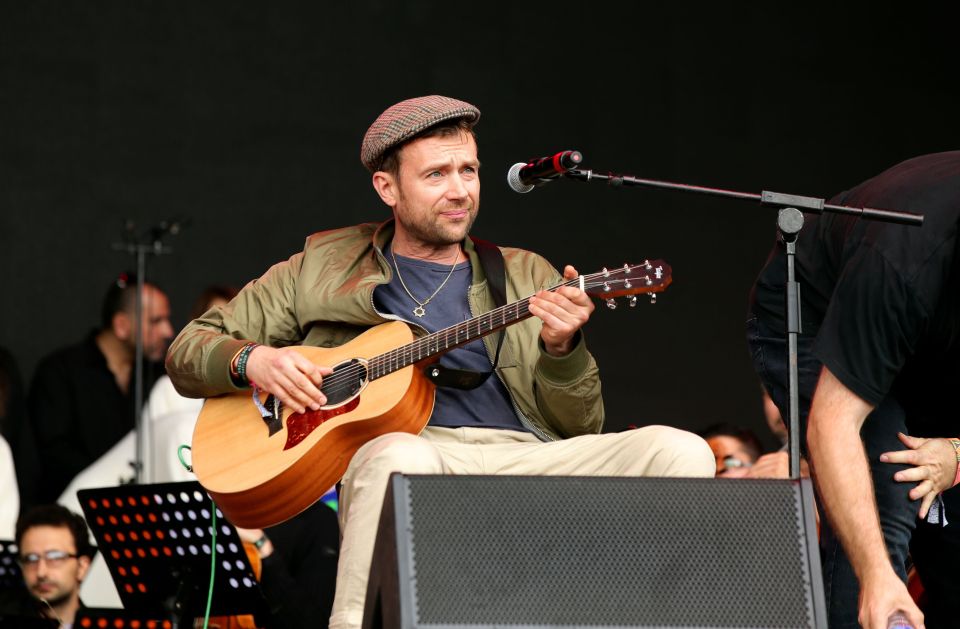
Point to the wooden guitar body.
(258, 481)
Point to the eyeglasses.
(53, 558)
(732, 462)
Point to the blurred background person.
(9, 495)
(735, 448)
(18, 450)
(168, 421)
(776, 464)
(299, 567)
(81, 399)
(169, 417)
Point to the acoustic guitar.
(263, 464)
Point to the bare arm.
(843, 478)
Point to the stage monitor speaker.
(508, 551)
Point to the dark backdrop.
(246, 119)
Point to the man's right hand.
(883, 596)
(289, 375)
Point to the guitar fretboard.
(647, 277)
(450, 338)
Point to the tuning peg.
(633, 301)
(605, 272)
(653, 298)
(647, 265)
(606, 287)
(626, 269)
(627, 284)
(612, 304)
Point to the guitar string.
(345, 378)
(451, 333)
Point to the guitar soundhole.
(345, 382)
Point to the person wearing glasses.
(735, 448)
(54, 555)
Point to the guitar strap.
(491, 261)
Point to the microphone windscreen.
(514, 181)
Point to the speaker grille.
(511, 551)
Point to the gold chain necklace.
(419, 310)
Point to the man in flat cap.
(541, 413)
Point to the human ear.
(83, 566)
(386, 186)
(122, 324)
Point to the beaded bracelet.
(238, 365)
(956, 449)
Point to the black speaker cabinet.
(509, 551)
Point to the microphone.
(523, 177)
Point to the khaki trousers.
(649, 451)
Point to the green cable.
(180, 450)
(213, 562)
(213, 537)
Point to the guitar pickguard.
(300, 425)
(342, 389)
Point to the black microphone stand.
(150, 243)
(790, 218)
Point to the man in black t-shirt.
(81, 396)
(879, 356)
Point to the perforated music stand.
(157, 542)
(11, 582)
(10, 575)
(103, 618)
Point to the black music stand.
(10, 575)
(157, 542)
(11, 584)
(25, 622)
(97, 617)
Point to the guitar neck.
(648, 277)
(444, 340)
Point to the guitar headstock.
(649, 277)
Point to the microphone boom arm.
(811, 205)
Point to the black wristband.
(242, 359)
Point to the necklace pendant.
(419, 311)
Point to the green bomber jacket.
(323, 297)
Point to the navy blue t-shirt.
(488, 405)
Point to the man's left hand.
(935, 467)
(563, 312)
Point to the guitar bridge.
(271, 411)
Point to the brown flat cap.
(406, 119)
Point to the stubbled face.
(724, 446)
(53, 581)
(436, 194)
(157, 329)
